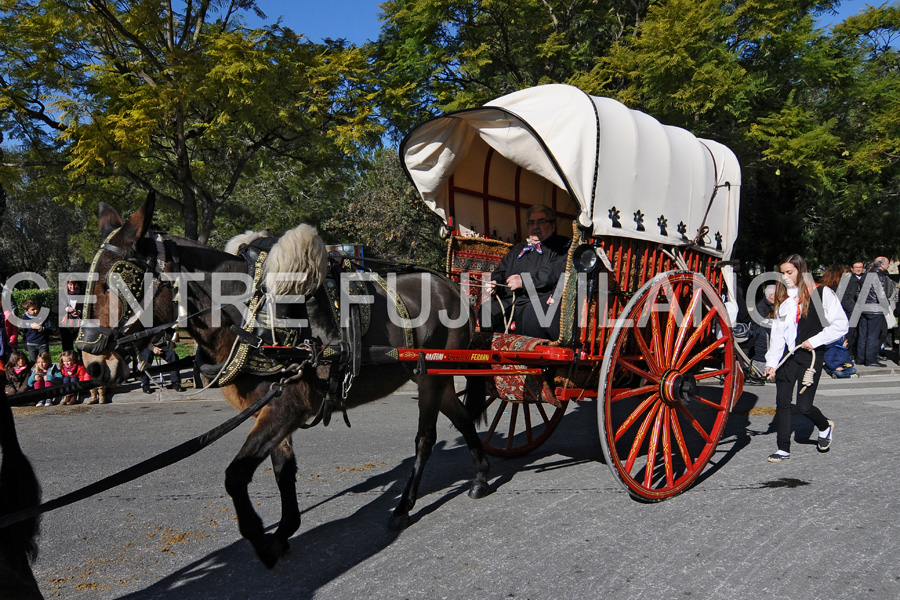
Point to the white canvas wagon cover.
(591, 158)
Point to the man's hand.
(514, 282)
(770, 373)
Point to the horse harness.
(128, 274)
(266, 345)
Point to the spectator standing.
(848, 303)
(36, 334)
(11, 330)
(877, 287)
(71, 320)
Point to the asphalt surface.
(557, 525)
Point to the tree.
(177, 97)
(443, 55)
(788, 99)
(385, 214)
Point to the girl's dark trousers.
(787, 378)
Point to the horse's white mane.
(297, 263)
(235, 243)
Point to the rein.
(155, 463)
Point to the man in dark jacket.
(876, 289)
(848, 302)
(542, 258)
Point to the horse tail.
(300, 252)
(476, 399)
(19, 489)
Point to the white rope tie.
(809, 375)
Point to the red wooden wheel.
(672, 344)
(517, 428)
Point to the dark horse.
(19, 489)
(301, 400)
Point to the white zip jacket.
(784, 325)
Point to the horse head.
(117, 283)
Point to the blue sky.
(357, 20)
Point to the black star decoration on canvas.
(639, 219)
(682, 229)
(662, 223)
(718, 242)
(614, 215)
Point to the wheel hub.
(675, 386)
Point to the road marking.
(857, 391)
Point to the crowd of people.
(26, 360)
(869, 300)
(806, 327)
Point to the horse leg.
(265, 436)
(284, 463)
(454, 410)
(425, 439)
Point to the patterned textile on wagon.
(514, 388)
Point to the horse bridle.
(131, 274)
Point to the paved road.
(557, 526)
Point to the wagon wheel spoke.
(633, 417)
(634, 392)
(486, 438)
(695, 337)
(657, 335)
(639, 438)
(651, 451)
(637, 370)
(711, 374)
(667, 446)
(693, 421)
(511, 434)
(679, 439)
(651, 359)
(685, 326)
(670, 325)
(709, 403)
(703, 354)
(517, 427)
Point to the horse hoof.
(272, 549)
(398, 523)
(479, 490)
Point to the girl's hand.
(770, 373)
(807, 346)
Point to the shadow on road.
(325, 552)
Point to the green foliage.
(46, 298)
(443, 55)
(385, 213)
(137, 96)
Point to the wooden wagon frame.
(653, 212)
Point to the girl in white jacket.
(807, 318)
